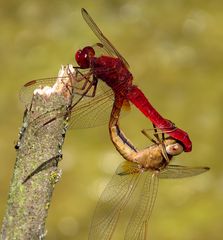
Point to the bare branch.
(38, 152)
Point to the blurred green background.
(175, 49)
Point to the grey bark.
(38, 152)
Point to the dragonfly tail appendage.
(137, 97)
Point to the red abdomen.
(136, 96)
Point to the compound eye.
(174, 149)
(89, 51)
(82, 59)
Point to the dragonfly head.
(173, 148)
(83, 57)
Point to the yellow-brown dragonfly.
(147, 165)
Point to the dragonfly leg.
(169, 129)
(156, 133)
(84, 78)
(162, 130)
(87, 80)
(93, 84)
(161, 141)
(144, 132)
(70, 86)
(157, 140)
(69, 108)
(164, 153)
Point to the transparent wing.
(113, 199)
(92, 111)
(126, 168)
(89, 112)
(27, 90)
(136, 229)
(95, 111)
(107, 44)
(176, 171)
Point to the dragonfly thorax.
(83, 57)
(153, 157)
(150, 158)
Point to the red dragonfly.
(113, 70)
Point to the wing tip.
(84, 11)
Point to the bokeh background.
(175, 51)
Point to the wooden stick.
(29, 201)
